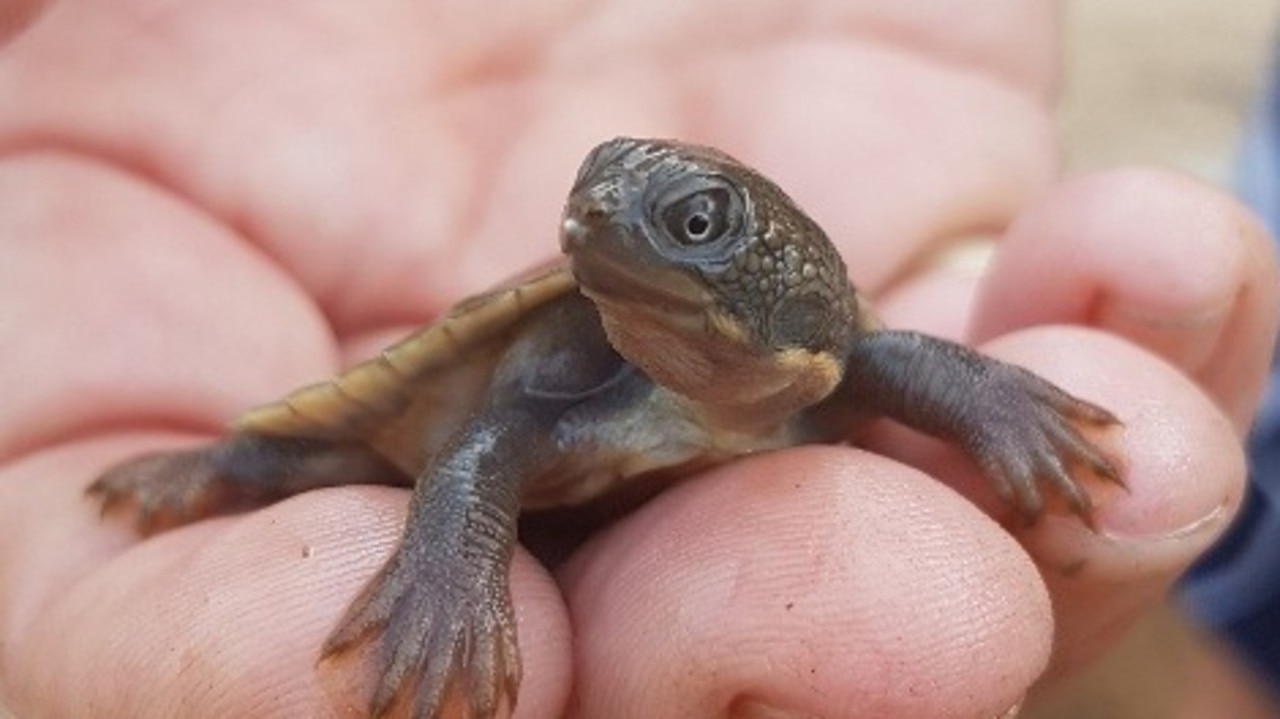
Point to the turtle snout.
(584, 217)
(573, 234)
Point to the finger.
(446, 161)
(1183, 469)
(818, 581)
(220, 618)
(1155, 257)
(939, 298)
(107, 319)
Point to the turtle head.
(707, 276)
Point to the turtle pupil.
(697, 225)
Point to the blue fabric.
(1236, 588)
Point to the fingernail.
(1075, 550)
(1193, 531)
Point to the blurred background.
(1168, 82)
(1171, 83)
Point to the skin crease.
(205, 204)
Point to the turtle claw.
(1038, 437)
(433, 635)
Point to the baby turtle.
(699, 315)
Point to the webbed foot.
(1031, 432)
(435, 634)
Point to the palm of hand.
(334, 174)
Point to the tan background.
(1164, 81)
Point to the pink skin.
(204, 204)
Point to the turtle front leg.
(436, 621)
(1021, 429)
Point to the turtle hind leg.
(238, 472)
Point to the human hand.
(207, 204)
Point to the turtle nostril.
(584, 216)
(594, 212)
(590, 210)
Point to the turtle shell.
(405, 402)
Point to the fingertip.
(1179, 458)
(1156, 257)
(1183, 474)
(228, 617)
(810, 581)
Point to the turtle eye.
(699, 218)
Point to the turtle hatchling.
(697, 315)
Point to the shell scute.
(387, 400)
